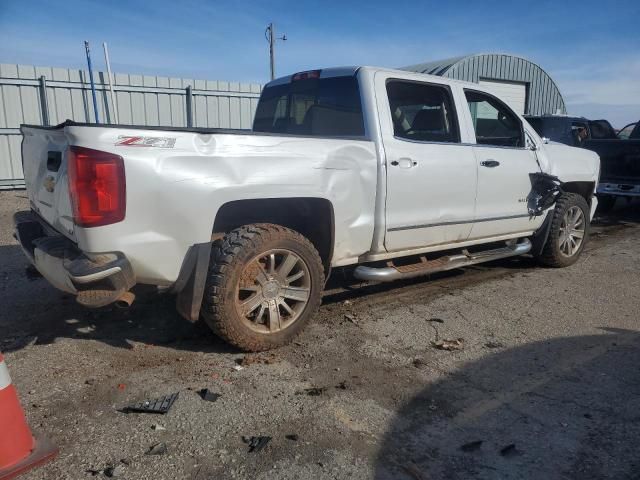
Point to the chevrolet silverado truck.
(397, 174)
(619, 152)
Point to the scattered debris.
(509, 451)
(494, 345)
(471, 446)
(121, 386)
(449, 345)
(342, 385)
(237, 368)
(157, 449)
(435, 320)
(158, 427)
(90, 381)
(157, 405)
(312, 391)
(256, 443)
(208, 395)
(251, 359)
(351, 317)
(419, 362)
(113, 471)
(292, 436)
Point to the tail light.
(97, 187)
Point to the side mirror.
(545, 140)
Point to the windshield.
(312, 106)
(556, 129)
(625, 133)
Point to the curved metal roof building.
(522, 83)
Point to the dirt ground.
(546, 385)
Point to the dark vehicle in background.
(619, 151)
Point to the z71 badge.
(158, 142)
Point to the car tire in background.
(263, 287)
(568, 232)
(606, 203)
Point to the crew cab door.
(504, 164)
(431, 176)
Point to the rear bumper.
(619, 189)
(96, 279)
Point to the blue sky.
(591, 48)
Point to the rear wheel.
(264, 285)
(568, 232)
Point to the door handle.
(404, 163)
(490, 163)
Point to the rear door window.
(422, 112)
(312, 106)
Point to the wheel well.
(312, 217)
(584, 189)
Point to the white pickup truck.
(403, 174)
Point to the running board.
(427, 267)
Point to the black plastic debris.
(157, 449)
(113, 471)
(208, 395)
(292, 436)
(342, 385)
(313, 391)
(256, 443)
(435, 320)
(509, 451)
(471, 446)
(157, 405)
(351, 317)
(545, 190)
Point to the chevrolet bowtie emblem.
(49, 183)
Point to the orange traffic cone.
(19, 450)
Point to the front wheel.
(264, 284)
(568, 232)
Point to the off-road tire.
(551, 255)
(228, 259)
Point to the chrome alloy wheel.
(572, 231)
(273, 290)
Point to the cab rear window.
(312, 106)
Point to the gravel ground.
(546, 385)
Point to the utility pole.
(93, 85)
(270, 34)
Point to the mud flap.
(191, 282)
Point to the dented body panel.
(174, 194)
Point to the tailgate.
(45, 174)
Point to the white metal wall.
(141, 100)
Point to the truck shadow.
(35, 312)
(563, 408)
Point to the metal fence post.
(44, 105)
(189, 101)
